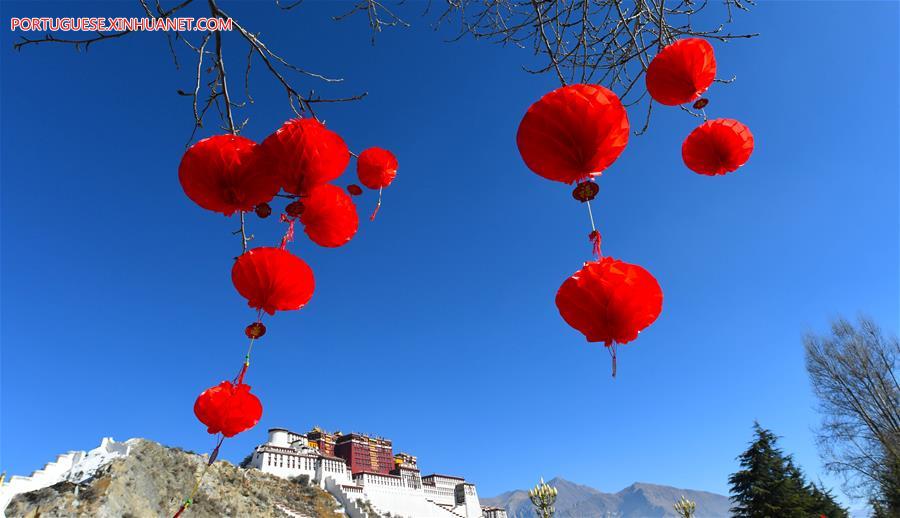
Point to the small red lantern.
(376, 168)
(272, 279)
(681, 72)
(573, 132)
(228, 409)
(329, 217)
(221, 174)
(610, 301)
(304, 153)
(717, 147)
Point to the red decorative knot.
(294, 209)
(354, 189)
(263, 210)
(596, 239)
(701, 103)
(585, 191)
(255, 330)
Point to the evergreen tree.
(769, 485)
(824, 504)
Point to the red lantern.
(573, 132)
(717, 147)
(220, 174)
(376, 168)
(681, 72)
(272, 279)
(610, 301)
(329, 217)
(228, 409)
(304, 153)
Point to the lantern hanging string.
(612, 353)
(239, 379)
(212, 458)
(591, 216)
(243, 232)
(594, 236)
(377, 205)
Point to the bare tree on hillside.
(853, 371)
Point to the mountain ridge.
(638, 500)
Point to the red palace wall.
(365, 454)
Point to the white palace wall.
(410, 496)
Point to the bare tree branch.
(609, 42)
(216, 78)
(853, 374)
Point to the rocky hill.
(635, 501)
(152, 480)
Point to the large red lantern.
(329, 216)
(228, 408)
(717, 147)
(272, 279)
(304, 153)
(681, 72)
(220, 174)
(573, 132)
(610, 301)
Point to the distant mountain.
(638, 500)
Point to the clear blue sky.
(436, 325)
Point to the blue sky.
(436, 325)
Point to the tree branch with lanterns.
(605, 42)
(209, 91)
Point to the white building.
(74, 466)
(402, 492)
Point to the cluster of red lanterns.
(228, 174)
(680, 74)
(574, 133)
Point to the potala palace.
(365, 475)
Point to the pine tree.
(769, 485)
(824, 504)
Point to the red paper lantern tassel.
(595, 240)
(289, 233)
(239, 379)
(377, 206)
